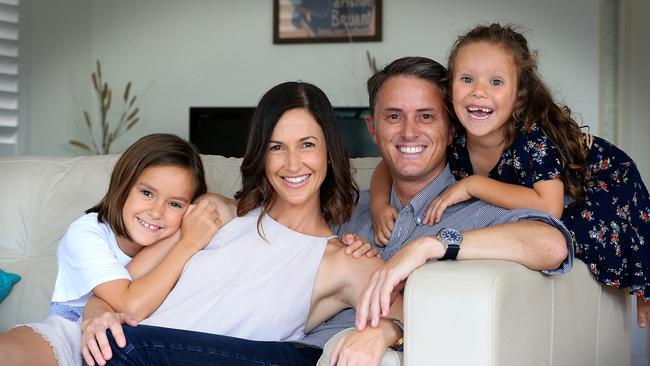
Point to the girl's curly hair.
(535, 103)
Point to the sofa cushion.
(42, 195)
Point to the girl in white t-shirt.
(150, 194)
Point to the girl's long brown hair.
(535, 104)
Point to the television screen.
(224, 130)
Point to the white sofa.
(457, 313)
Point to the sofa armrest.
(488, 312)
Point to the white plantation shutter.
(8, 77)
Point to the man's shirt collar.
(421, 201)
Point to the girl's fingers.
(363, 249)
(430, 212)
(96, 352)
(439, 212)
(381, 238)
(390, 223)
(353, 247)
(428, 216)
(376, 239)
(90, 361)
(387, 231)
(190, 208)
(372, 253)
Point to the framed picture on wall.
(314, 21)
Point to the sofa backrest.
(41, 196)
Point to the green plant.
(128, 116)
(372, 63)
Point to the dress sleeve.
(541, 158)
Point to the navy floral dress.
(610, 228)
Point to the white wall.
(55, 54)
(220, 53)
(634, 120)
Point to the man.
(410, 123)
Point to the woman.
(274, 272)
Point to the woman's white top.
(243, 286)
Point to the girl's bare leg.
(22, 347)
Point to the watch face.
(451, 236)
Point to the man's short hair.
(420, 67)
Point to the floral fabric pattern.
(610, 228)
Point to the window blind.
(8, 77)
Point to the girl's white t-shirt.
(88, 255)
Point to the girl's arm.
(148, 258)
(382, 213)
(143, 295)
(546, 196)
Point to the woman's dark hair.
(338, 193)
(158, 149)
(534, 103)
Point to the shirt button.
(418, 220)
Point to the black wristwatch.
(451, 239)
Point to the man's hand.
(452, 195)
(363, 347)
(375, 300)
(358, 246)
(94, 343)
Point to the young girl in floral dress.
(516, 148)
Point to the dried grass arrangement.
(102, 136)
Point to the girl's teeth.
(147, 225)
(411, 149)
(479, 113)
(296, 179)
(486, 110)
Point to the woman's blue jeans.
(147, 345)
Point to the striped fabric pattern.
(68, 312)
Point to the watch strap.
(451, 253)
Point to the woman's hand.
(457, 193)
(200, 223)
(358, 246)
(383, 221)
(94, 343)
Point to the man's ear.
(451, 132)
(370, 124)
